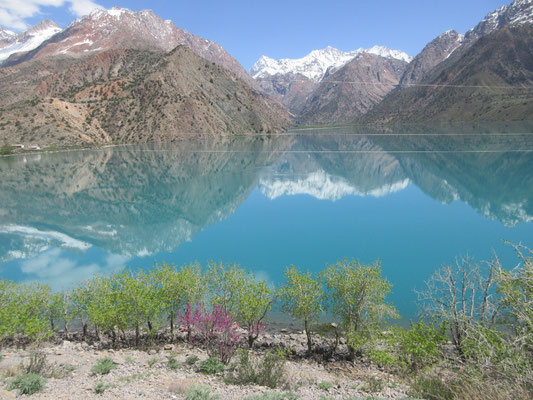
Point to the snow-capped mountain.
(121, 28)
(323, 186)
(517, 13)
(28, 40)
(314, 65)
(5, 34)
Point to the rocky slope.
(11, 43)
(489, 80)
(352, 90)
(121, 28)
(433, 53)
(129, 96)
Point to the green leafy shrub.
(27, 383)
(101, 387)
(325, 385)
(268, 370)
(153, 361)
(103, 366)
(173, 364)
(191, 360)
(200, 393)
(420, 345)
(211, 366)
(69, 367)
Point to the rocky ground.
(145, 374)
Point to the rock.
(152, 352)
(5, 395)
(169, 347)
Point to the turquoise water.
(414, 198)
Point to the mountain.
(292, 80)
(121, 28)
(433, 53)
(352, 90)
(488, 76)
(491, 80)
(129, 96)
(11, 43)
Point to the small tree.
(254, 302)
(178, 287)
(226, 283)
(462, 296)
(357, 293)
(302, 296)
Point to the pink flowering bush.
(215, 329)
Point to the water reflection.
(135, 201)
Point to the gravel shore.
(145, 374)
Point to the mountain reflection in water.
(65, 216)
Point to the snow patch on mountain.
(519, 12)
(30, 39)
(323, 186)
(317, 62)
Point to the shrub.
(200, 393)
(103, 366)
(101, 387)
(27, 383)
(268, 370)
(37, 364)
(153, 361)
(325, 385)
(69, 367)
(431, 388)
(173, 363)
(420, 345)
(191, 360)
(211, 366)
(217, 331)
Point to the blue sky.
(283, 28)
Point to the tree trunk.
(85, 327)
(172, 325)
(136, 335)
(308, 334)
(67, 334)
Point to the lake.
(413, 197)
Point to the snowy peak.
(314, 65)
(5, 34)
(323, 186)
(519, 12)
(28, 40)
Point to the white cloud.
(13, 13)
(54, 268)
